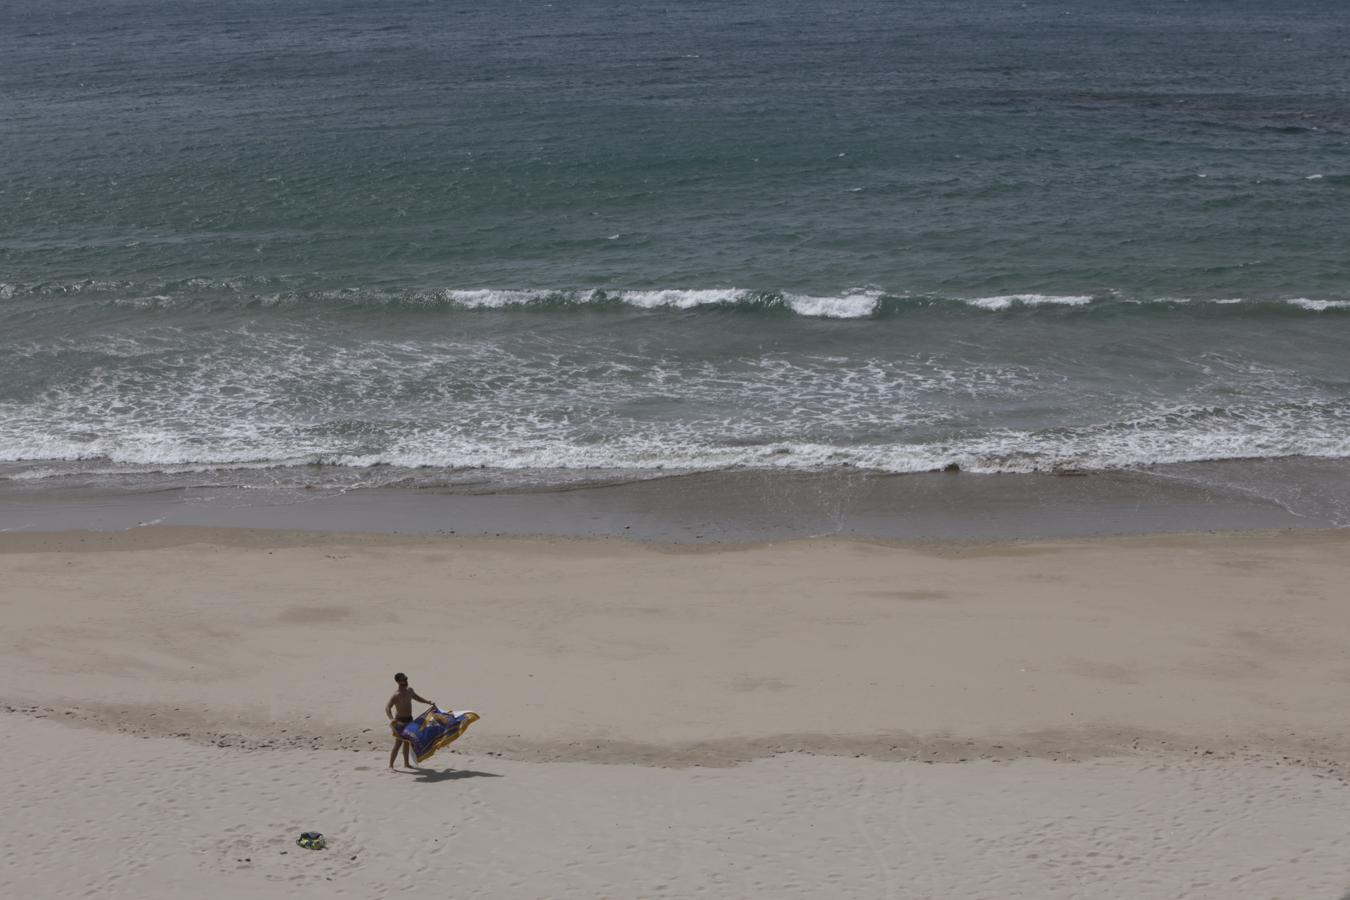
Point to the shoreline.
(158, 536)
(733, 507)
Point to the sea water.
(353, 239)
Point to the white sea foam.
(1006, 301)
(279, 293)
(274, 391)
(1318, 305)
(1301, 302)
(1176, 435)
(487, 298)
(678, 299)
(848, 306)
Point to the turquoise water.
(698, 235)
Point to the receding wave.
(1164, 436)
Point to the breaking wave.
(264, 293)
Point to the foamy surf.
(1318, 305)
(213, 295)
(849, 305)
(1167, 436)
(107, 378)
(1007, 301)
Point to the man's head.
(401, 679)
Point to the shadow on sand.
(434, 775)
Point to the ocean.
(345, 243)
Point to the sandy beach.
(1104, 717)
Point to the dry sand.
(1132, 717)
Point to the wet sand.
(710, 507)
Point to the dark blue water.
(681, 235)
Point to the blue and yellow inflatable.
(436, 728)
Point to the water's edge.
(734, 507)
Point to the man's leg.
(407, 764)
(393, 754)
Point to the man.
(401, 703)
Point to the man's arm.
(388, 708)
(420, 699)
